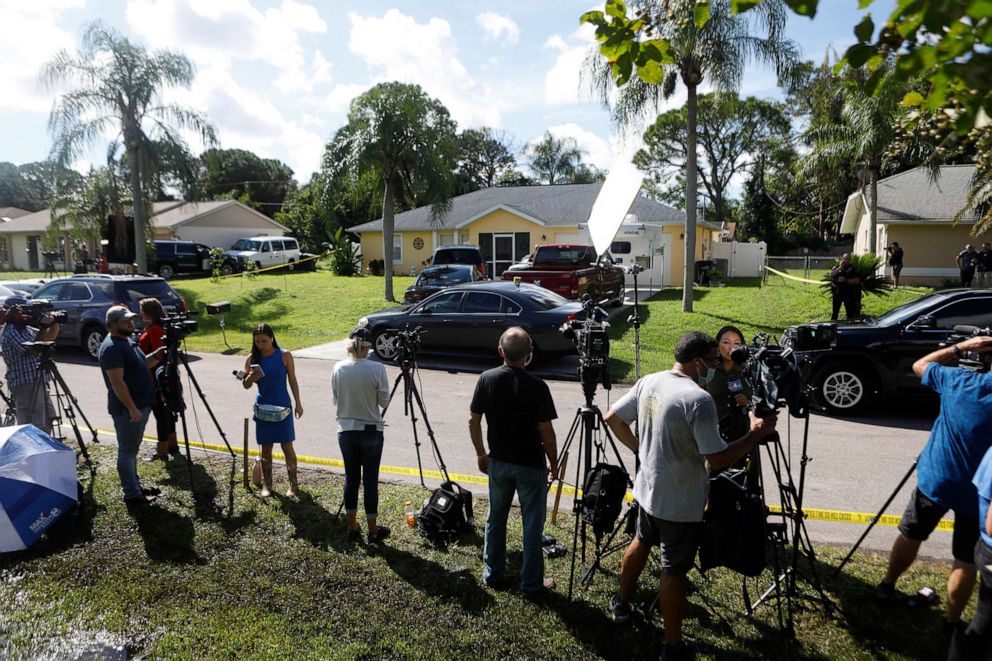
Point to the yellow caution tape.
(792, 277)
(835, 516)
(270, 268)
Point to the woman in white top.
(360, 391)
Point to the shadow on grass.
(168, 536)
(432, 579)
(314, 523)
(241, 318)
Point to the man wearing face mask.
(677, 428)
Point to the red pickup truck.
(571, 271)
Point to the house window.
(4, 254)
(444, 240)
(397, 248)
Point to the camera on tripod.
(35, 312)
(591, 337)
(969, 360)
(774, 375)
(177, 326)
(406, 342)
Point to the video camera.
(177, 326)
(35, 312)
(590, 335)
(970, 360)
(406, 342)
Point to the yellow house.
(918, 213)
(508, 222)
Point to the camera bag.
(734, 533)
(447, 512)
(602, 497)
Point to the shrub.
(377, 266)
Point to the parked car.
(169, 258)
(471, 255)
(264, 251)
(875, 357)
(469, 319)
(86, 299)
(22, 287)
(571, 271)
(435, 278)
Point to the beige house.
(508, 222)
(214, 223)
(918, 213)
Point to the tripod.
(411, 395)
(589, 419)
(635, 320)
(66, 401)
(9, 416)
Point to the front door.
(33, 243)
(502, 253)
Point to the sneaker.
(175, 453)
(151, 491)
(677, 652)
(158, 457)
(546, 587)
(501, 583)
(886, 592)
(139, 501)
(381, 533)
(620, 609)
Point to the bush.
(344, 258)
(377, 266)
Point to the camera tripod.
(589, 419)
(65, 402)
(411, 395)
(635, 320)
(9, 416)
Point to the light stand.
(635, 319)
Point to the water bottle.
(411, 518)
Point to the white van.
(265, 251)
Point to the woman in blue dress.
(271, 367)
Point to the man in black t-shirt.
(983, 263)
(895, 260)
(967, 259)
(518, 409)
(845, 285)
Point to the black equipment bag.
(602, 497)
(446, 513)
(733, 529)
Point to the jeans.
(33, 406)
(974, 642)
(361, 450)
(128, 441)
(531, 485)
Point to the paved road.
(854, 464)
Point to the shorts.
(896, 269)
(165, 422)
(922, 516)
(677, 540)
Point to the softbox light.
(37, 485)
(613, 202)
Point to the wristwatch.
(958, 352)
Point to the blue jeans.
(531, 485)
(128, 441)
(362, 451)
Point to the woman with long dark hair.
(728, 388)
(271, 368)
(151, 339)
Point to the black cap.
(362, 333)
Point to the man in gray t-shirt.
(677, 424)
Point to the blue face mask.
(706, 379)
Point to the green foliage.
(345, 260)
(217, 260)
(33, 186)
(484, 155)
(554, 160)
(376, 266)
(758, 214)
(308, 216)
(868, 267)
(261, 183)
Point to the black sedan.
(469, 319)
(875, 356)
(435, 278)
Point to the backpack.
(447, 512)
(602, 497)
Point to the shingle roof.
(559, 205)
(911, 195)
(36, 222)
(9, 213)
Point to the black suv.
(86, 299)
(471, 255)
(167, 258)
(875, 356)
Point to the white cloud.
(563, 81)
(321, 68)
(339, 98)
(498, 27)
(397, 47)
(555, 42)
(222, 31)
(595, 149)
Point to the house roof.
(10, 213)
(912, 197)
(36, 223)
(561, 205)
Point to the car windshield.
(908, 311)
(246, 244)
(543, 298)
(441, 277)
(456, 257)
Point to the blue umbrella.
(37, 485)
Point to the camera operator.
(845, 287)
(151, 340)
(677, 424)
(518, 410)
(967, 260)
(895, 253)
(28, 383)
(130, 395)
(728, 388)
(958, 440)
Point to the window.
(510, 307)
(397, 248)
(482, 303)
(442, 303)
(290, 244)
(165, 249)
(443, 276)
(620, 247)
(50, 293)
(972, 312)
(278, 245)
(266, 246)
(75, 291)
(186, 249)
(135, 290)
(445, 240)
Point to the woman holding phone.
(271, 368)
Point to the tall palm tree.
(715, 52)
(116, 87)
(398, 134)
(554, 160)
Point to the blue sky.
(276, 77)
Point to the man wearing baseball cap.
(27, 382)
(130, 395)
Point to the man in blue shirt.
(960, 436)
(130, 395)
(28, 384)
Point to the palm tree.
(554, 160)
(117, 86)
(398, 134)
(868, 127)
(717, 51)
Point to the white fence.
(743, 260)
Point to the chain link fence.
(808, 267)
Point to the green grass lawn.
(742, 303)
(243, 577)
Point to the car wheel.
(617, 298)
(291, 266)
(92, 339)
(166, 271)
(383, 345)
(844, 388)
(226, 268)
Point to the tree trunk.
(691, 176)
(388, 217)
(138, 209)
(873, 208)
